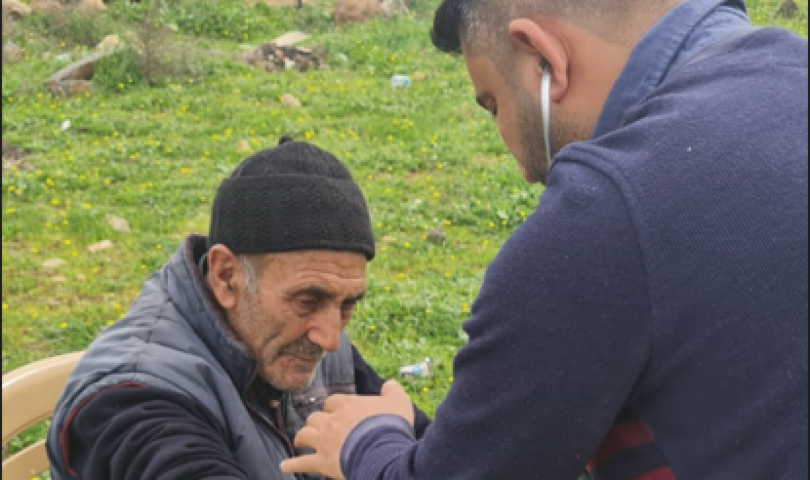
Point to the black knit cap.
(290, 198)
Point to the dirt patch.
(12, 152)
(14, 158)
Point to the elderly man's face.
(296, 313)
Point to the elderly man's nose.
(327, 330)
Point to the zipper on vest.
(287, 444)
(277, 430)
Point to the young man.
(235, 341)
(651, 316)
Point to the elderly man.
(651, 316)
(235, 341)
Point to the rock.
(282, 3)
(100, 246)
(15, 9)
(68, 88)
(75, 87)
(11, 52)
(272, 57)
(109, 43)
(82, 70)
(243, 146)
(53, 263)
(357, 10)
(290, 38)
(290, 101)
(118, 224)
(437, 236)
(92, 6)
(392, 8)
(13, 158)
(788, 9)
(46, 6)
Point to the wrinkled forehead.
(333, 269)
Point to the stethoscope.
(545, 98)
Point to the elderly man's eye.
(307, 304)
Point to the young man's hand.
(326, 431)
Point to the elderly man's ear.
(224, 273)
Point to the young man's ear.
(223, 272)
(539, 46)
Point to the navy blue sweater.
(653, 312)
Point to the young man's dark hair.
(482, 24)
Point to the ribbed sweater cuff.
(394, 427)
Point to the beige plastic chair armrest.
(26, 464)
(30, 392)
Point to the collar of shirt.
(266, 395)
(679, 35)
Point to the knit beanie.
(290, 198)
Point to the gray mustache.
(303, 349)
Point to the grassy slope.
(425, 156)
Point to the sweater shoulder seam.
(636, 213)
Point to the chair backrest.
(29, 397)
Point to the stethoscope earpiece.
(545, 98)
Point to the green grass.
(425, 157)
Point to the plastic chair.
(29, 397)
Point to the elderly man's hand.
(326, 432)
